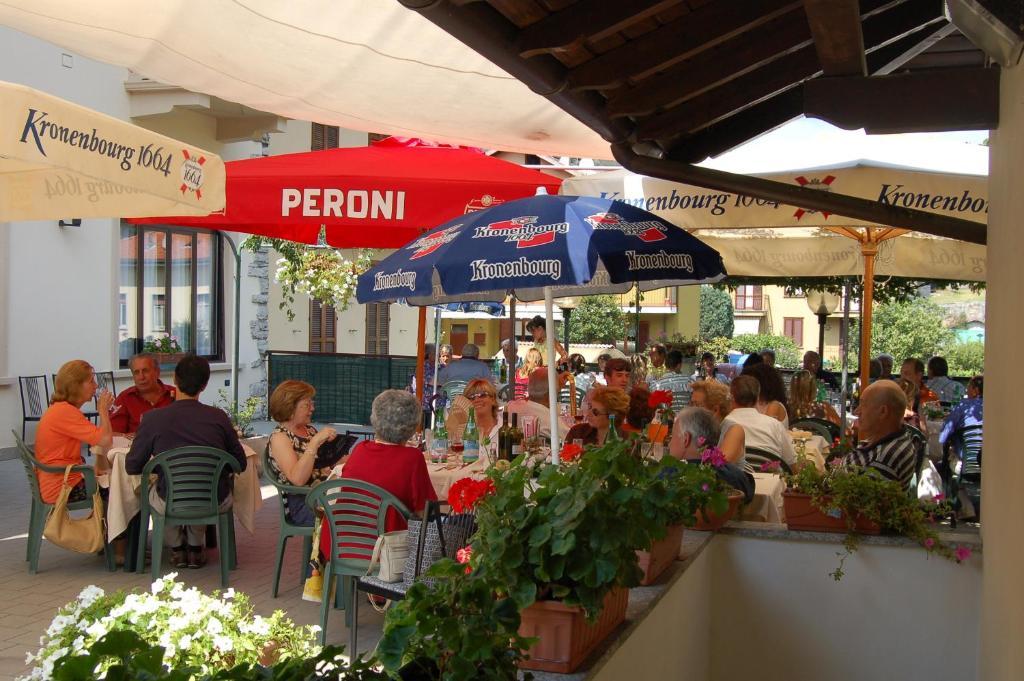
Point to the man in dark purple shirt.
(185, 422)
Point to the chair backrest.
(822, 427)
(190, 476)
(920, 450)
(454, 388)
(105, 381)
(679, 386)
(356, 512)
(35, 395)
(969, 439)
(563, 396)
(28, 460)
(756, 456)
(506, 393)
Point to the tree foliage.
(787, 354)
(598, 319)
(716, 312)
(904, 329)
(966, 359)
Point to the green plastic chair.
(356, 512)
(40, 509)
(288, 529)
(190, 475)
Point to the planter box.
(565, 638)
(661, 555)
(709, 522)
(801, 514)
(168, 359)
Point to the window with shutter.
(322, 337)
(324, 137)
(378, 320)
(749, 298)
(793, 327)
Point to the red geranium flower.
(570, 452)
(463, 555)
(658, 398)
(464, 495)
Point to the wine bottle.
(515, 437)
(504, 441)
(613, 433)
(439, 446)
(471, 439)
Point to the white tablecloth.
(766, 506)
(123, 502)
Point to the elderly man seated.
(885, 445)
(693, 429)
(760, 431)
(185, 422)
(148, 393)
(537, 402)
(466, 368)
(940, 383)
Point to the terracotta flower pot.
(801, 514)
(708, 521)
(168, 359)
(565, 638)
(661, 555)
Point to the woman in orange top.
(63, 428)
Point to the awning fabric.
(767, 239)
(372, 66)
(62, 160)
(374, 197)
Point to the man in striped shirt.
(885, 446)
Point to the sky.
(808, 142)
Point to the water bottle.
(471, 439)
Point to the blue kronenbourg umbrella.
(542, 247)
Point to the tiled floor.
(29, 602)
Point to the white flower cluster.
(323, 274)
(208, 632)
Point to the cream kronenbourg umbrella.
(62, 160)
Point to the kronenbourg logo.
(383, 281)
(482, 270)
(823, 184)
(646, 230)
(429, 243)
(523, 231)
(192, 174)
(659, 261)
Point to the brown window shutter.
(324, 137)
(378, 318)
(321, 328)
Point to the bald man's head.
(881, 409)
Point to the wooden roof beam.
(835, 25)
(582, 21)
(879, 29)
(705, 27)
(940, 101)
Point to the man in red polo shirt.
(149, 392)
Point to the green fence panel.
(345, 384)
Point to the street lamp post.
(822, 304)
(567, 305)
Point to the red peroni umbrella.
(366, 197)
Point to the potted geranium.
(721, 502)
(563, 547)
(860, 501)
(166, 349)
(672, 493)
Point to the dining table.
(766, 506)
(123, 501)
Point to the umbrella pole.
(515, 335)
(549, 319)
(421, 340)
(237, 321)
(437, 360)
(870, 250)
(846, 354)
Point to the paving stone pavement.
(29, 602)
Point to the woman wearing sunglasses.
(605, 403)
(483, 397)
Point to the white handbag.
(391, 551)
